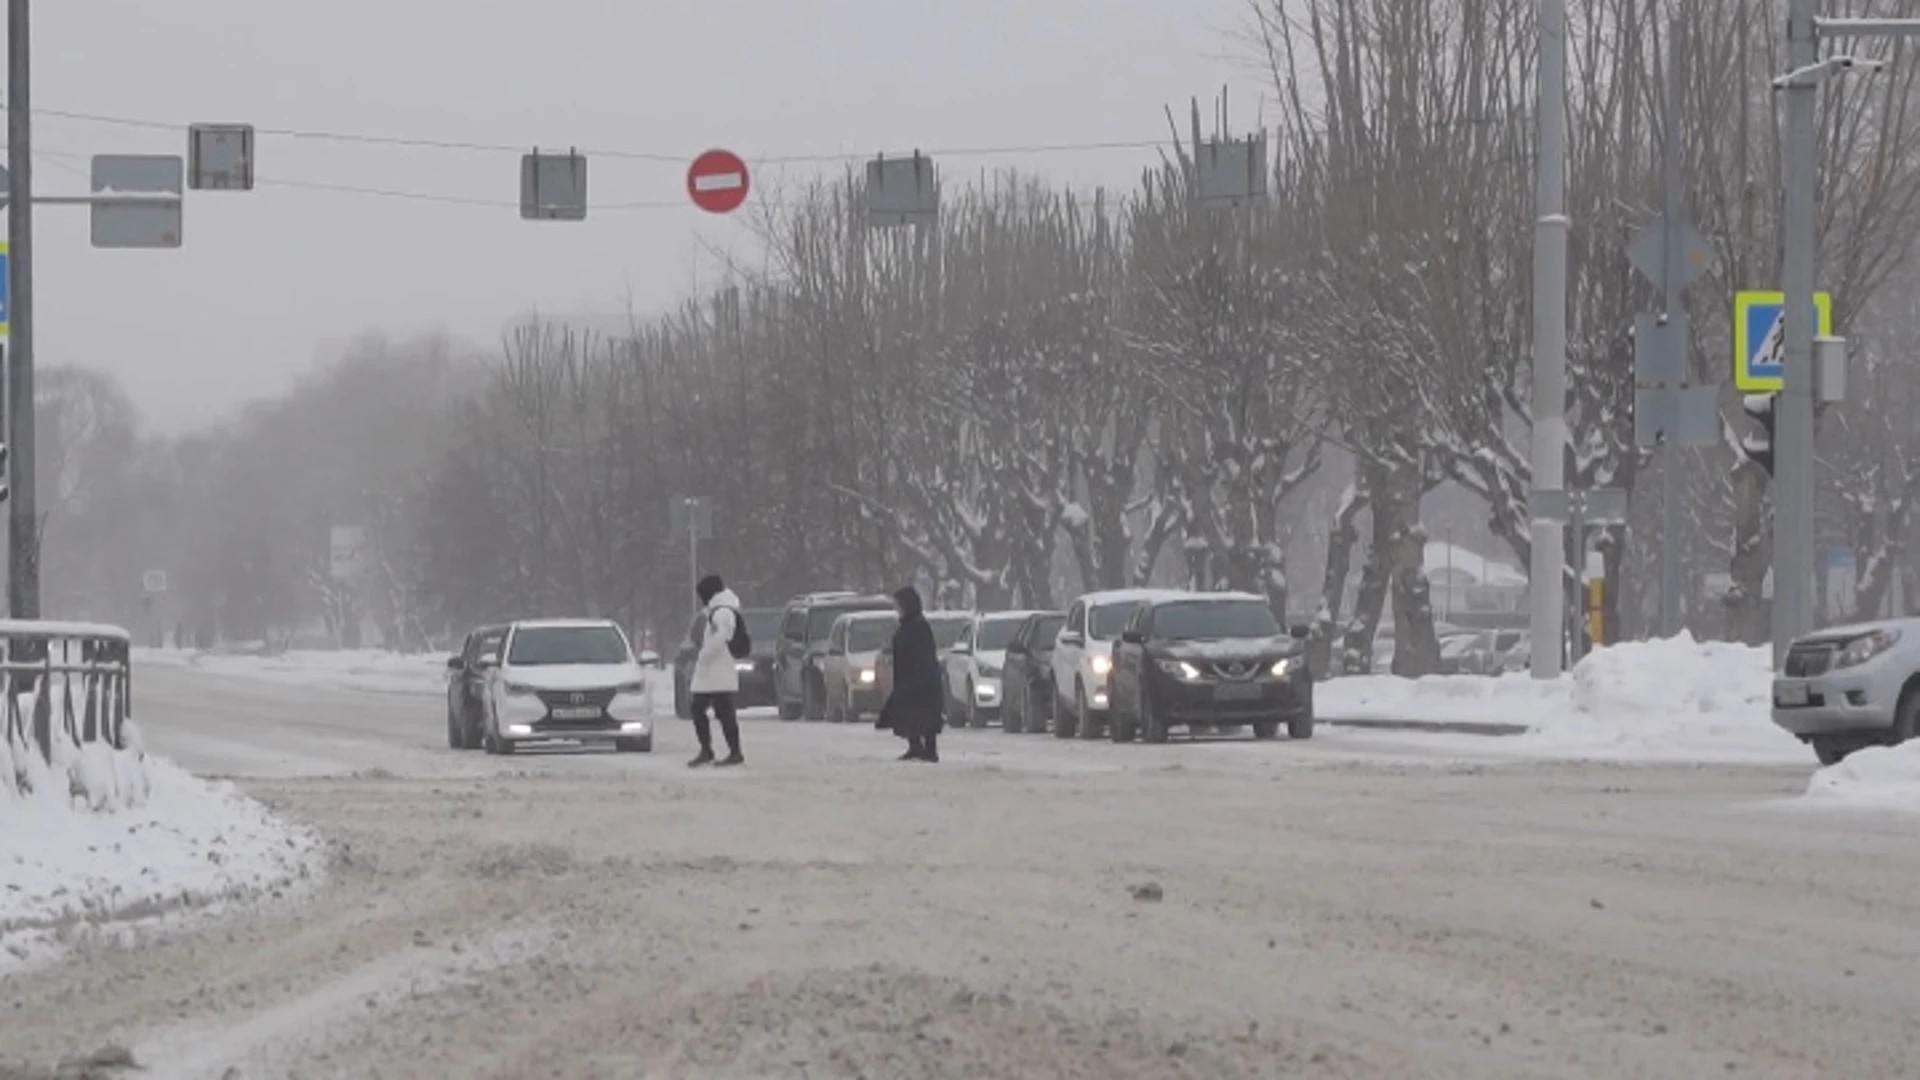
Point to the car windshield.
(537, 645)
(867, 635)
(995, 633)
(762, 626)
(948, 632)
(1109, 619)
(1045, 630)
(1190, 620)
(821, 619)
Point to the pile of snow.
(99, 835)
(364, 670)
(1669, 700)
(1877, 777)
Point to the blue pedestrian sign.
(6, 289)
(1759, 338)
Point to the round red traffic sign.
(717, 181)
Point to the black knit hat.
(709, 588)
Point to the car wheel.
(1300, 728)
(1266, 729)
(789, 710)
(1831, 749)
(456, 733)
(495, 745)
(1013, 718)
(1153, 728)
(1122, 727)
(1906, 717)
(836, 712)
(1083, 722)
(971, 710)
(1063, 716)
(1042, 721)
(641, 745)
(472, 732)
(816, 699)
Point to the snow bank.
(104, 835)
(99, 835)
(1670, 700)
(363, 670)
(1875, 778)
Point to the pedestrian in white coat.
(716, 678)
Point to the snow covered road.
(1361, 905)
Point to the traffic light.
(1759, 448)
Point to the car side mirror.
(1016, 649)
(487, 660)
(1301, 631)
(456, 663)
(1071, 637)
(960, 648)
(1133, 637)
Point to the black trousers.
(722, 706)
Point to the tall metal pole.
(23, 534)
(693, 552)
(1793, 408)
(1547, 580)
(1672, 199)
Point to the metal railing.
(65, 681)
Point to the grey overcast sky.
(269, 281)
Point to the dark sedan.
(756, 672)
(1209, 660)
(1026, 682)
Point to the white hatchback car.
(567, 679)
(971, 668)
(1083, 657)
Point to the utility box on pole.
(553, 187)
(1230, 172)
(1829, 369)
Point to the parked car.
(948, 628)
(1213, 660)
(1083, 657)
(800, 686)
(853, 650)
(1026, 683)
(756, 671)
(970, 670)
(1477, 652)
(467, 686)
(1848, 687)
(567, 679)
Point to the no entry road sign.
(717, 181)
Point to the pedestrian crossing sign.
(1759, 338)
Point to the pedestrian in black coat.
(915, 709)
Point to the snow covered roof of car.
(562, 624)
(1012, 616)
(1129, 596)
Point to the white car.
(567, 679)
(971, 668)
(1848, 687)
(1083, 657)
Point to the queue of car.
(1121, 665)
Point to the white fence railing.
(70, 682)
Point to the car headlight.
(866, 676)
(1286, 666)
(1101, 664)
(1180, 669)
(518, 690)
(1866, 647)
(743, 665)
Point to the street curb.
(1448, 727)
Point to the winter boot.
(704, 757)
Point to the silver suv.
(1847, 687)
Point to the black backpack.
(740, 644)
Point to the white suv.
(1083, 657)
(1847, 687)
(567, 679)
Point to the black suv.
(467, 686)
(756, 671)
(800, 687)
(1209, 660)
(1026, 683)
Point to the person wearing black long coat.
(915, 708)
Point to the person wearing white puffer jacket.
(716, 678)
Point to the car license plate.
(583, 713)
(1236, 693)
(1791, 693)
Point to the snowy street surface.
(1362, 905)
